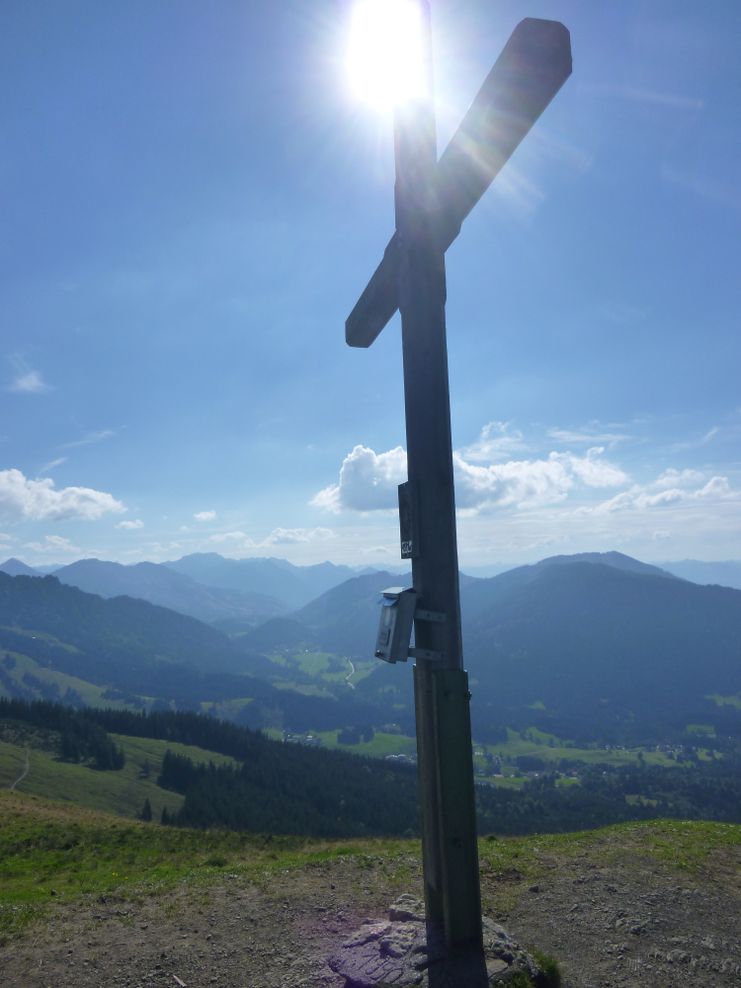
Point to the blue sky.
(192, 204)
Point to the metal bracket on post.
(435, 617)
(427, 654)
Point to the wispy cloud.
(132, 525)
(52, 464)
(204, 515)
(39, 500)
(26, 380)
(672, 478)
(53, 543)
(697, 441)
(587, 436)
(639, 499)
(238, 540)
(705, 188)
(92, 437)
(495, 440)
(675, 101)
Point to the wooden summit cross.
(432, 198)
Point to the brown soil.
(612, 916)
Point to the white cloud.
(592, 470)
(368, 481)
(204, 515)
(132, 525)
(519, 483)
(293, 536)
(53, 543)
(237, 536)
(21, 498)
(639, 499)
(678, 478)
(495, 440)
(279, 536)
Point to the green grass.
(723, 701)
(537, 744)
(701, 730)
(52, 852)
(381, 745)
(48, 850)
(122, 792)
(91, 694)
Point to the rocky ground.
(611, 914)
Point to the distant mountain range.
(605, 645)
(166, 587)
(725, 574)
(234, 594)
(292, 585)
(593, 645)
(59, 643)
(14, 567)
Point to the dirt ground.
(629, 923)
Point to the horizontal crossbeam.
(534, 64)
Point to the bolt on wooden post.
(432, 198)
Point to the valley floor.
(640, 906)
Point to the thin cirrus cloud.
(131, 526)
(368, 480)
(91, 438)
(204, 515)
(39, 500)
(26, 380)
(279, 536)
(53, 543)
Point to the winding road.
(350, 674)
(26, 770)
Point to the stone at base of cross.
(393, 953)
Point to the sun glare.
(385, 62)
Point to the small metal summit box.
(395, 624)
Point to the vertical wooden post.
(450, 857)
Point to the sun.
(385, 53)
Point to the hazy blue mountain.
(594, 647)
(723, 574)
(143, 654)
(166, 587)
(478, 596)
(345, 619)
(293, 585)
(598, 645)
(14, 567)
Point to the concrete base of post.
(394, 953)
